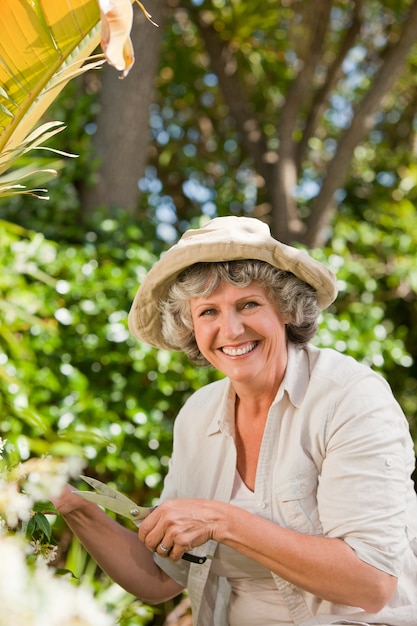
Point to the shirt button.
(263, 505)
(388, 462)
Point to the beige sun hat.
(221, 239)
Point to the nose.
(232, 325)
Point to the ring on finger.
(164, 548)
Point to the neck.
(255, 398)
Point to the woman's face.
(241, 333)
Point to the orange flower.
(116, 24)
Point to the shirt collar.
(223, 419)
(297, 375)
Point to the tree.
(221, 144)
(121, 106)
(284, 91)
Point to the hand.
(68, 501)
(178, 526)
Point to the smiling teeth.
(239, 351)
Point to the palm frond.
(43, 43)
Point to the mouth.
(241, 350)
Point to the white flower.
(35, 597)
(32, 595)
(116, 24)
(14, 506)
(35, 480)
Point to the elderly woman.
(292, 473)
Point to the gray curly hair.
(295, 299)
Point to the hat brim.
(216, 245)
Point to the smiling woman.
(296, 300)
(241, 333)
(291, 474)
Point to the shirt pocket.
(297, 495)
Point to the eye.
(250, 305)
(207, 312)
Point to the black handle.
(193, 558)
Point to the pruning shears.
(113, 500)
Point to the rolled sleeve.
(362, 487)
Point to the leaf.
(9, 185)
(64, 448)
(33, 419)
(65, 572)
(85, 437)
(30, 527)
(45, 507)
(44, 526)
(41, 45)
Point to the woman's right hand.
(115, 548)
(68, 501)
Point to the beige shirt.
(335, 460)
(254, 597)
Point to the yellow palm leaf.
(42, 44)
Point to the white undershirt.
(255, 599)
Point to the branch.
(362, 122)
(333, 73)
(313, 31)
(224, 66)
(285, 216)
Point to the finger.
(158, 540)
(147, 528)
(152, 541)
(151, 519)
(177, 551)
(163, 549)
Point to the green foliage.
(372, 318)
(39, 528)
(28, 340)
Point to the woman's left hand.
(178, 526)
